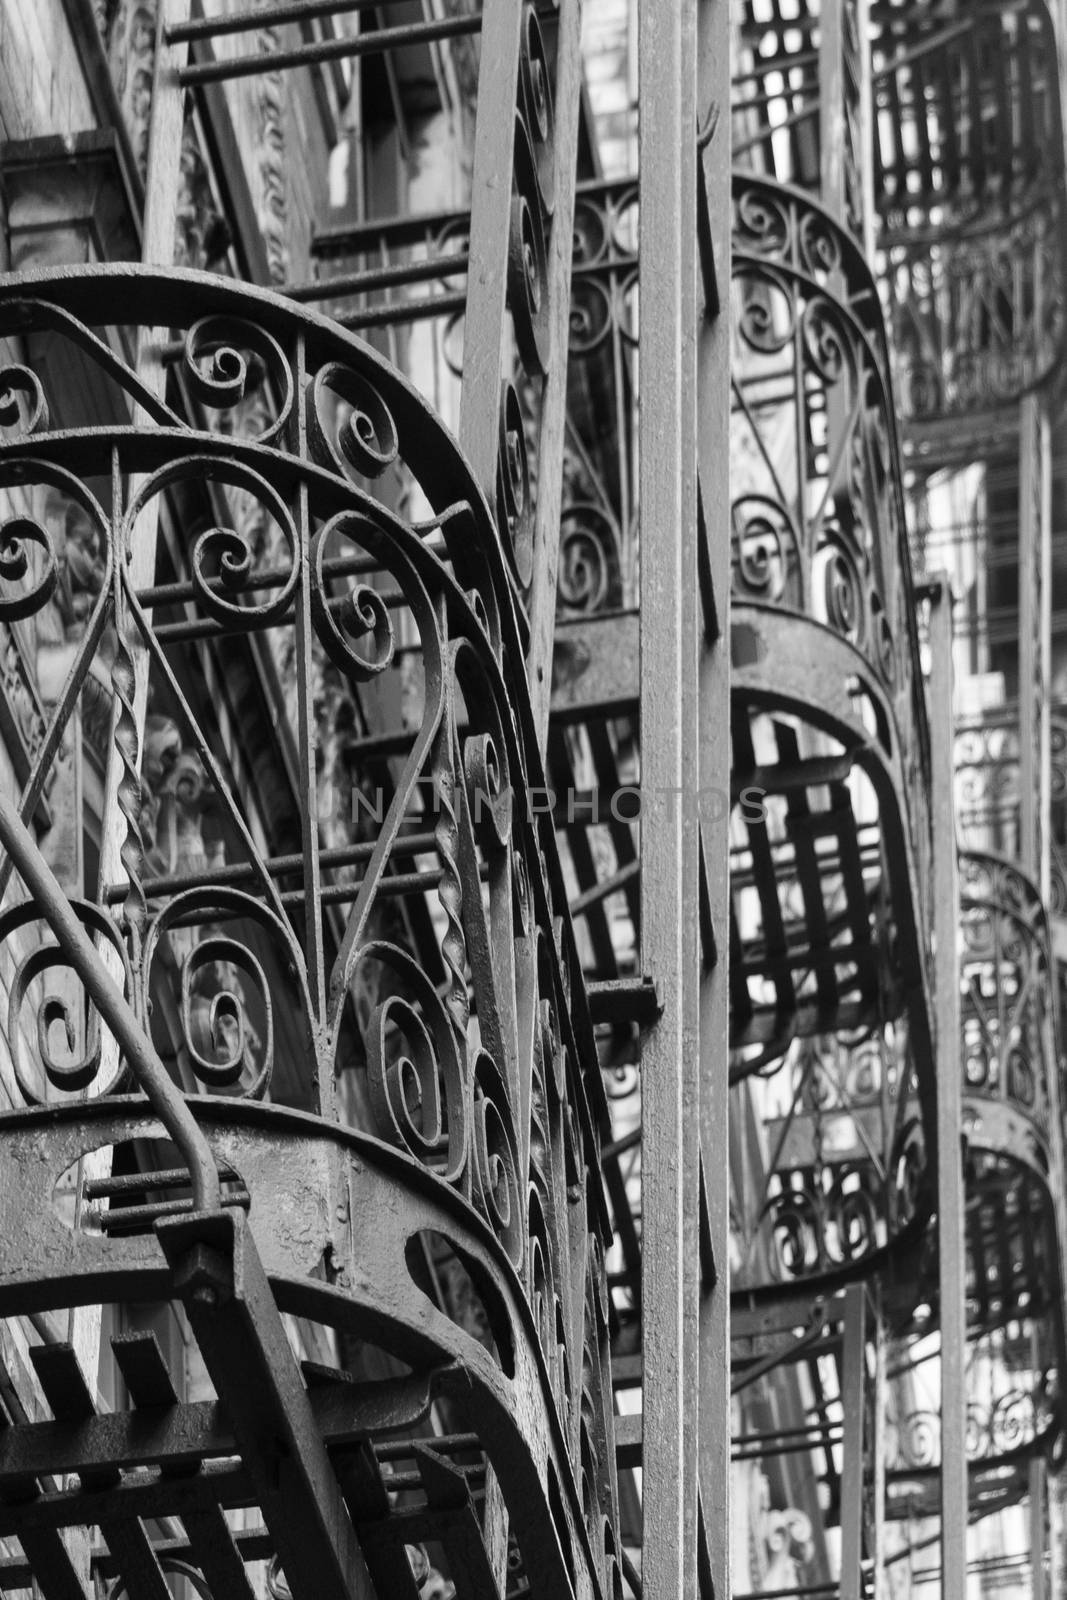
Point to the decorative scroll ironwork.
(1014, 1407)
(416, 271)
(845, 1161)
(818, 511)
(988, 794)
(1006, 978)
(468, 1057)
(598, 535)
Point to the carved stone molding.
(131, 49)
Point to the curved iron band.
(820, 697)
(857, 272)
(345, 1268)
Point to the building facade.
(533, 799)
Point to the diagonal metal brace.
(162, 1094)
(221, 1282)
(789, 1351)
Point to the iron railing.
(414, 993)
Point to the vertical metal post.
(853, 1386)
(950, 1194)
(690, 620)
(1043, 681)
(878, 1444)
(710, 576)
(485, 326)
(1035, 640)
(832, 109)
(666, 328)
(1038, 1589)
(868, 127)
(542, 598)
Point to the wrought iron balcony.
(829, 999)
(990, 793)
(1010, 1063)
(385, 1094)
(966, 185)
(1016, 1348)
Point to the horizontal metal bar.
(382, 277)
(141, 1219)
(362, 44)
(252, 1544)
(363, 238)
(624, 1000)
(198, 1432)
(269, 16)
(277, 866)
(439, 305)
(137, 1182)
(599, 892)
(629, 1439)
(165, 594)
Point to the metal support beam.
(1035, 639)
(560, 245)
(832, 130)
(666, 287)
(220, 1279)
(950, 1191)
(853, 1394)
(709, 573)
(1038, 1542)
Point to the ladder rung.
(269, 16)
(437, 305)
(382, 278)
(307, 55)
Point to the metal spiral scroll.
(74, 1075)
